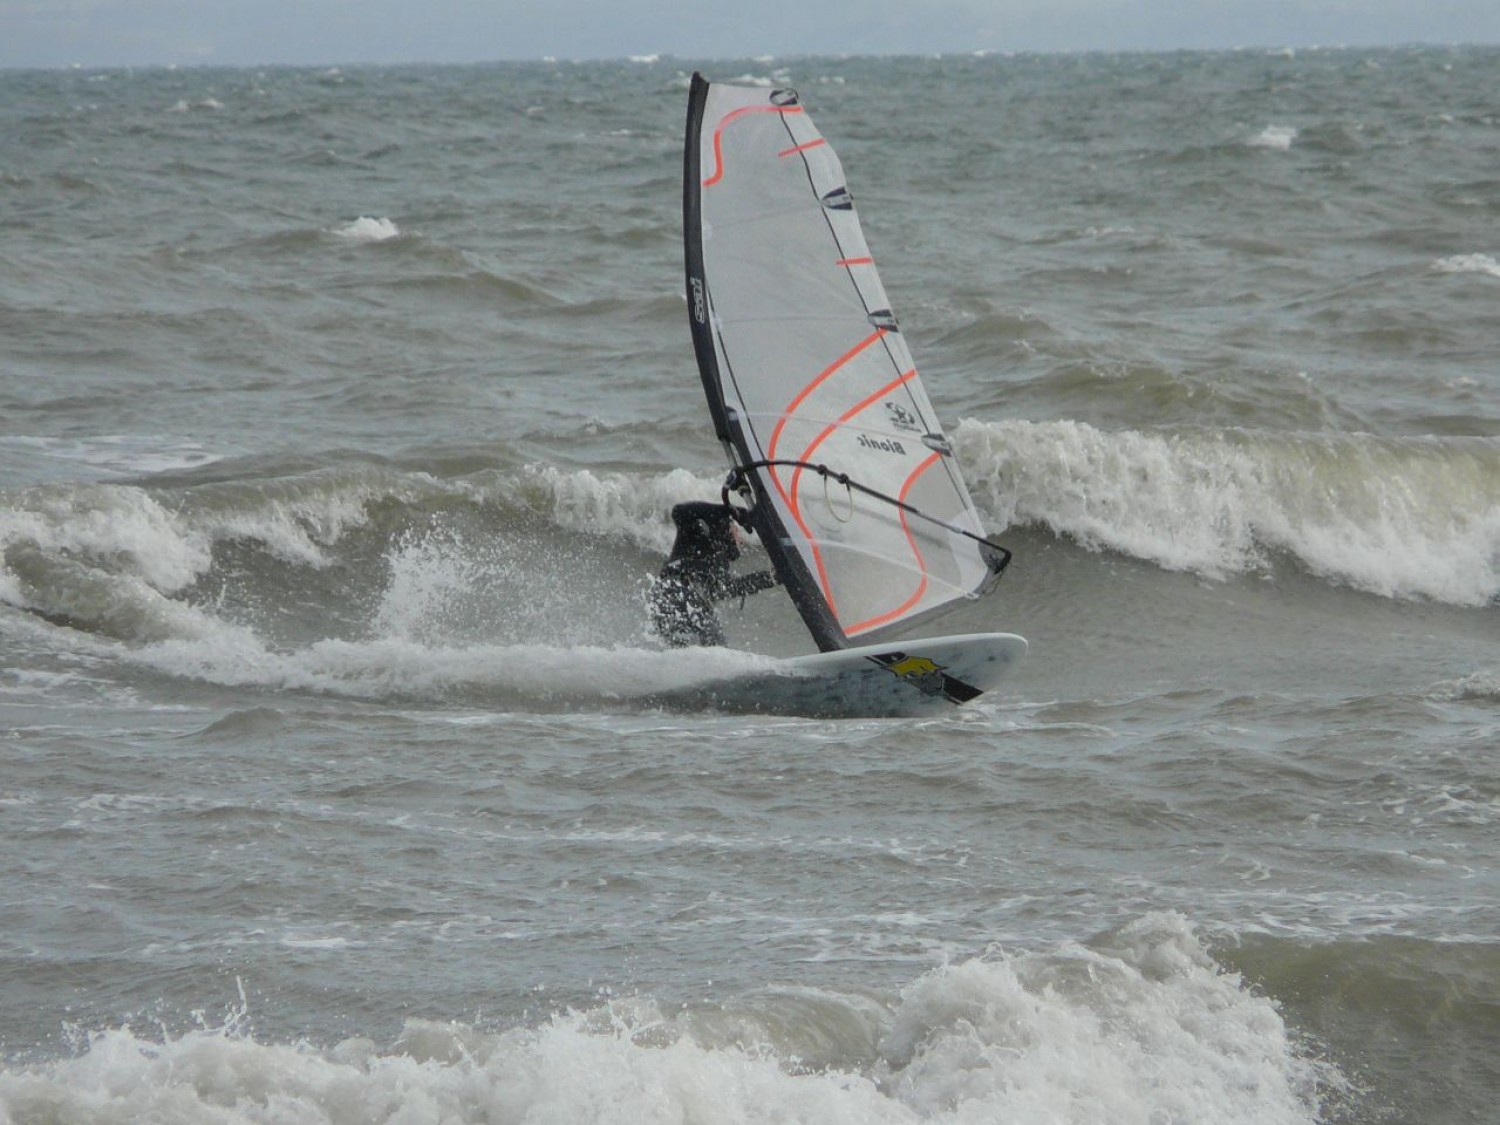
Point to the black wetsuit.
(696, 575)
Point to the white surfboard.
(908, 678)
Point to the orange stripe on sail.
(821, 378)
(855, 262)
(807, 454)
(789, 497)
(724, 123)
(854, 410)
(802, 147)
(894, 614)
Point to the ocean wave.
(1139, 1026)
(377, 553)
(124, 454)
(1358, 997)
(364, 581)
(1482, 687)
(123, 560)
(1403, 518)
(1279, 137)
(182, 105)
(1468, 263)
(367, 229)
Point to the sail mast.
(788, 565)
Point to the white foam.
(1403, 518)
(367, 229)
(127, 526)
(395, 668)
(1145, 1029)
(132, 532)
(110, 557)
(113, 453)
(751, 80)
(1278, 137)
(1468, 263)
(308, 941)
(113, 556)
(1480, 686)
(616, 504)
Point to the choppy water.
(339, 416)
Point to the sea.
(341, 411)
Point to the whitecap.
(125, 454)
(1482, 687)
(1279, 137)
(367, 229)
(303, 941)
(1468, 263)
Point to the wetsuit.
(696, 575)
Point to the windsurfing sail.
(857, 495)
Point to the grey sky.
(52, 33)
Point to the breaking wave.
(500, 588)
(1141, 1025)
(1404, 518)
(528, 583)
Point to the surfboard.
(833, 444)
(906, 679)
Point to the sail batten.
(809, 380)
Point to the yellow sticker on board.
(914, 666)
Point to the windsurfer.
(696, 574)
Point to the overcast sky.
(53, 33)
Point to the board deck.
(926, 676)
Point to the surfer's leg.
(678, 616)
(710, 632)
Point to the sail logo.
(700, 304)
(902, 418)
(885, 445)
(839, 199)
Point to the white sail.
(812, 389)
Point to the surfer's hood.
(704, 532)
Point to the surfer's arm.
(744, 584)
